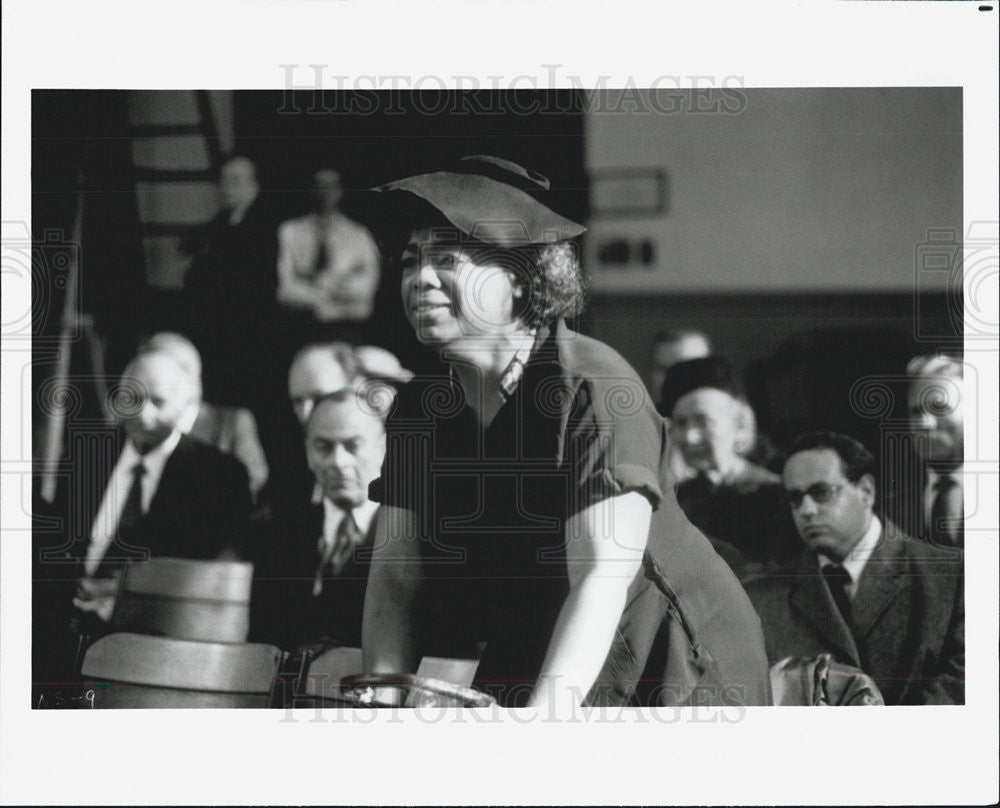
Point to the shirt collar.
(856, 559)
(154, 458)
(333, 514)
(958, 475)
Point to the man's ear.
(866, 484)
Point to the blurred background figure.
(232, 430)
(926, 498)
(318, 370)
(670, 347)
(328, 268)
(729, 498)
(148, 490)
(378, 363)
(229, 289)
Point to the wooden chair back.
(139, 670)
(185, 599)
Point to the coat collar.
(881, 579)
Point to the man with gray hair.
(927, 497)
(232, 430)
(162, 494)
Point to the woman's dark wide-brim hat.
(491, 200)
(694, 374)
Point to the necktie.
(100, 561)
(946, 513)
(335, 555)
(322, 252)
(132, 513)
(837, 579)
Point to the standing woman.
(526, 492)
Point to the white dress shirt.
(858, 557)
(343, 289)
(102, 533)
(334, 515)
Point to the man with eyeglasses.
(862, 590)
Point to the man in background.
(670, 347)
(328, 268)
(310, 584)
(232, 430)
(926, 489)
(148, 490)
(862, 590)
(229, 289)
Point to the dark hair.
(550, 275)
(553, 282)
(855, 460)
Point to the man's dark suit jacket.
(283, 610)
(908, 627)
(904, 502)
(229, 298)
(200, 510)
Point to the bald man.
(164, 495)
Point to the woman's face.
(451, 292)
(705, 426)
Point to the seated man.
(150, 491)
(861, 590)
(310, 581)
(926, 492)
(229, 429)
(735, 503)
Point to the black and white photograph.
(471, 425)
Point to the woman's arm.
(604, 547)
(388, 640)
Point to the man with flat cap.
(526, 496)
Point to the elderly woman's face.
(705, 426)
(451, 292)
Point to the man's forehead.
(340, 418)
(159, 372)
(315, 366)
(814, 465)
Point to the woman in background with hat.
(527, 499)
(730, 499)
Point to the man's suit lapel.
(881, 581)
(811, 598)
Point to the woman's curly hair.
(558, 288)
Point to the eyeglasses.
(820, 493)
